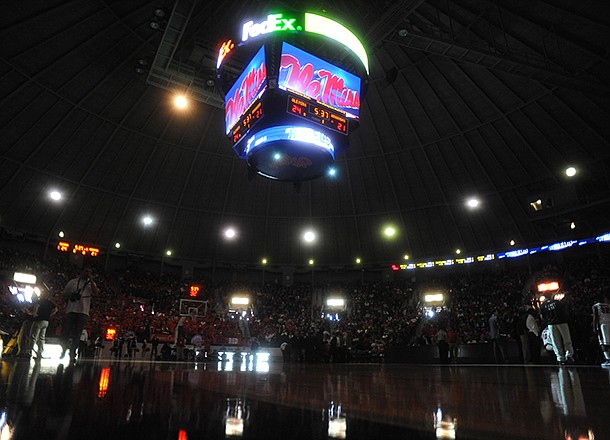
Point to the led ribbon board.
(604, 238)
(311, 23)
(249, 86)
(292, 134)
(319, 80)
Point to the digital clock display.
(317, 113)
(248, 119)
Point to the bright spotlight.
(358, 261)
(117, 245)
(309, 236)
(180, 102)
(332, 172)
(240, 300)
(406, 257)
(264, 261)
(311, 262)
(61, 234)
(230, 233)
(389, 231)
(572, 225)
(570, 171)
(168, 253)
(473, 203)
(512, 242)
(55, 195)
(433, 297)
(458, 251)
(24, 278)
(147, 220)
(277, 156)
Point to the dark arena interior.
(360, 219)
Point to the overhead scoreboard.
(289, 112)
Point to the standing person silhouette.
(42, 310)
(601, 325)
(555, 314)
(78, 293)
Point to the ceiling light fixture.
(55, 195)
(181, 102)
(389, 231)
(309, 236)
(473, 203)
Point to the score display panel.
(316, 112)
(251, 116)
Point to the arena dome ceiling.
(465, 99)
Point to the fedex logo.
(273, 23)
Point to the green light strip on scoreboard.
(331, 29)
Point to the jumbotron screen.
(289, 113)
(319, 80)
(249, 86)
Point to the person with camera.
(78, 293)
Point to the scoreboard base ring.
(290, 161)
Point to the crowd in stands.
(377, 316)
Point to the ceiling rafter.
(483, 57)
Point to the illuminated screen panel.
(312, 23)
(249, 86)
(311, 76)
(318, 113)
(248, 119)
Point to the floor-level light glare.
(61, 234)
(55, 195)
(389, 231)
(570, 171)
(472, 203)
(309, 236)
(180, 102)
(147, 220)
(230, 233)
(117, 245)
(168, 253)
